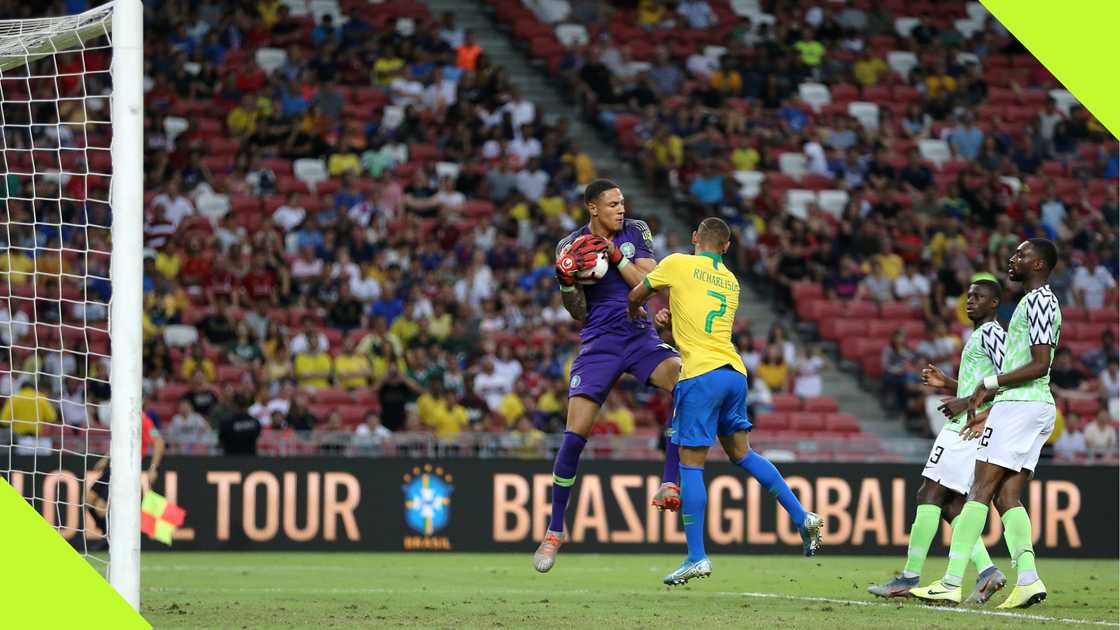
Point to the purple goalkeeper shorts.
(603, 359)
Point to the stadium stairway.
(643, 201)
(535, 86)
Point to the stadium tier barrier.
(473, 504)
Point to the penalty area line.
(938, 609)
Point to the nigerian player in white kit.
(952, 460)
(1012, 436)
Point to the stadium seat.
(212, 206)
(771, 422)
(798, 202)
(902, 62)
(806, 421)
(172, 392)
(1063, 99)
(270, 59)
(785, 403)
(807, 291)
(936, 151)
(833, 201)
(967, 27)
(750, 183)
(821, 404)
(905, 25)
(332, 396)
(310, 171)
(180, 335)
(866, 113)
(1109, 315)
(173, 126)
(793, 164)
(1084, 408)
(230, 373)
(572, 35)
(842, 423)
(746, 8)
(815, 94)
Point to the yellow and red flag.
(159, 518)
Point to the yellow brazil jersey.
(703, 299)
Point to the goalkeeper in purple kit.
(610, 343)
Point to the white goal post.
(57, 115)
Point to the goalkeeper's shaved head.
(714, 234)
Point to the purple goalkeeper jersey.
(607, 298)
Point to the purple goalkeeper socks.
(563, 476)
(672, 470)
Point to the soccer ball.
(596, 273)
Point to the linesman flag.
(159, 518)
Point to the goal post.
(71, 222)
(126, 198)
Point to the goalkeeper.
(710, 398)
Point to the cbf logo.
(427, 506)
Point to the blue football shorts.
(714, 403)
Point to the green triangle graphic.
(42, 565)
(1077, 42)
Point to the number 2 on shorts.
(716, 312)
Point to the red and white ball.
(596, 273)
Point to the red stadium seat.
(332, 396)
(785, 403)
(172, 392)
(806, 421)
(771, 422)
(842, 423)
(1084, 408)
(821, 404)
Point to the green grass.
(595, 592)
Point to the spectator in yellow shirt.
(343, 162)
(946, 240)
(651, 13)
(773, 369)
(25, 409)
(15, 268)
(552, 204)
(939, 82)
(242, 120)
(440, 412)
(527, 438)
(169, 261)
(745, 158)
(351, 368)
(811, 51)
(512, 409)
(664, 152)
(269, 11)
(198, 362)
(313, 369)
(581, 162)
(868, 70)
(726, 81)
(617, 414)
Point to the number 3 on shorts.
(716, 312)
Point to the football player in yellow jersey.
(710, 398)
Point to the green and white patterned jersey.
(1037, 320)
(981, 357)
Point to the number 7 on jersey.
(715, 312)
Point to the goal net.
(71, 115)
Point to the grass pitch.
(353, 590)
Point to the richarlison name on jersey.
(723, 283)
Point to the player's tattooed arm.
(575, 301)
